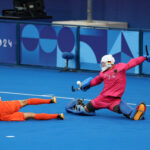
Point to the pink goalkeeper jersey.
(115, 78)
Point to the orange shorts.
(9, 111)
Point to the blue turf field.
(105, 131)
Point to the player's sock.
(36, 101)
(44, 116)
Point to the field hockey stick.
(147, 53)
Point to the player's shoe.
(53, 99)
(60, 116)
(140, 111)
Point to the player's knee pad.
(133, 113)
(125, 109)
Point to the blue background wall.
(94, 43)
(135, 12)
(8, 43)
(44, 45)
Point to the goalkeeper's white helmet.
(106, 62)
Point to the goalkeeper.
(114, 77)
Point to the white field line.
(49, 95)
(10, 136)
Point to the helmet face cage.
(106, 62)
